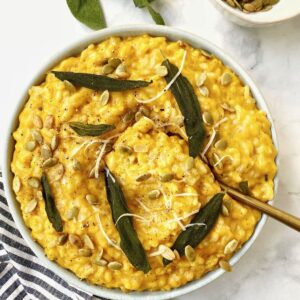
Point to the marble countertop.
(33, 30)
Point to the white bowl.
(75, 48)
(282, 11)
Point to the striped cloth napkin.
(21, 274)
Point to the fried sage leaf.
(193, 235)
(51, 210)
(130, 242)
(157, 18)
(100, 82)
(88, 12)
(90, 129)
(189, 106)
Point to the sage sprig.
(193, 235)
(88, 12)
(157, 18)
(130, 243)
(100, 82)
(90, 129)
(51, 210)
(189, 106)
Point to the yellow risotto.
(148, 154)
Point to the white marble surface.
(32, 30)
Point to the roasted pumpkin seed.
(49, 121)
(85, 252)
(30, 206)
(121, 72)
(16, 184)
(167, 177)
(101, 262)
(143, 177)
(231, 247)
(75, 240)
(37, 122)
(107, 69)
(226, 78)
(221, 144)
(50, 162)
(128, 117)
(92, 199)
(30, 145)
(208, 118)
(88, 242)
(204, 91)
(36, 135)
(54, 142)
(225, 211)
(227, 107)
(76, 165)
(189, 164)
(33, 182)
(125, 149)
(190, 253)
(154, 194)
(201, 79)
(225, 265)
(62, 239)
(161, 71)
(46, 151)
(114, 62)
(104, 97)
(114, 265)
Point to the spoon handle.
(271, 211)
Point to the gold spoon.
(271, 211)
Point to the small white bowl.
(75, 48)
(282, 11)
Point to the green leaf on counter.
(157, 18)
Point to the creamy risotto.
(143, 157)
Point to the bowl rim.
(75, 48)
(253, 18)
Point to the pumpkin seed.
(227, 107)
(231, 247)
(216, 159)
(16, 184)
(154, 194)
(166, 252)
(46, 152)
(201, 79)
(221, 144)
(99, 254)
(49, 121)
(143, 177)
(225, 211)
(36, 135)
(231, 3)
(128, 117)
(56, 172)
(121, 72)
(225, 265)
(33, 182)
(190, 163)
(125, 149)
(85, 252)
(190, 253)
(30, 206)
(226, 78)
(114, 62)
(206, 54)
(101, 262)
(104, 97)
(54, 142)
(204, 91)
(62, 239)
(167, 177)
(75, 240)
(37, 122)
(114, 265)
(72, 213)
(107, 69)
(30, 145)
(208, 118)
(69, 86)
(76, 165)
(253, 6)
(138, 115)
(92, 199)
(88, 242)
(50, 162)
(145, 111)
(161, 71)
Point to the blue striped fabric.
(21, 274)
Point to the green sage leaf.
(193, 235)
(99, 82)
(88, 12)
(130, 242)
(51, 210)
(90, 129)
(157, 18)
(190, 108)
